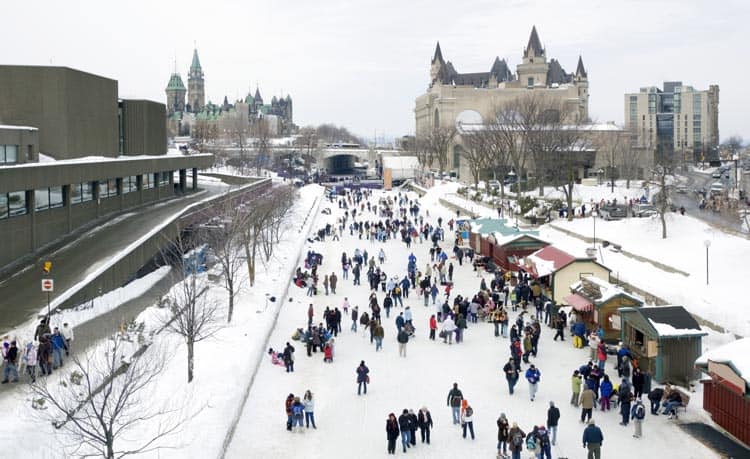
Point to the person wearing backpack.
(467, 420)
(454, 401)
(637, 414)
(515, 440)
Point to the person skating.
(288, 406)
(511, 374)
(467, 420)
(288, 357)
(553, 417)
(624, 398)
(637, 414)
(363, 377)
(605, 392)
(575, 385)
(449, 327)
(413, 426)
(543, 448)
(378, 333)
(424, 421)
(392, 431)
(298, 414)
(403, 339)
(515, 440)
(455, 396)
(309, 402)
(533, 375)
(587, 403)
(433, 327)
(593, 438)
(404, 422)
(502, 436)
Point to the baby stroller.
(410, 330)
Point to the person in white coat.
(30, 360)
(309, 403)
(448, 328)
(69, 335)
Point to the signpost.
(48, 285)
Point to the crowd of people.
(513, 303)
(38, 356)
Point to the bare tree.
(613, 148)
(308, 144)
(105, 398)
(572, 151)
(283, 198)
(223, 235)
(239, 127)
(438, 144)
(262, 133)
(632, 155)
(733, 145)
(476, 153)
(662, 177)
(194, 316)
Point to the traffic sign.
(47, 266)
(48, 285)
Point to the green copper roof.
(196, 62)
(175, 82)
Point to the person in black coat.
(404, 423)
(424, 421)
(413, 425)
(655, 397)
(288, 357)
(553, 416)
(638, 381)
(391, 431)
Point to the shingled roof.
(534, 43)
(556, 74)
(580, 71)
(676, 316)
(501, 71)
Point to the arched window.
(436, 119)
(457, 156)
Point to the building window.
(107, 188)
(530, 82)
(129, 184)
(12, 204)
(48, 198)
(81, 192)
(164, 178)
(148, 181)
(8, 154)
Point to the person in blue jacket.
(58, 348)
(605, 391)
(593, 438)
(532, 376)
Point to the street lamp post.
(593, 216)
(707, 243)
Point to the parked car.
(682, 189)
(493, 184)
(613, 212)
(644, 210)
(716, 175)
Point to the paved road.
(20, 294)
(728, 220)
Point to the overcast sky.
(362, 63)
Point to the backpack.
(640, 412)
(530, 442)
(469, 412)
(517, 439)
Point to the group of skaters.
(398, 218)
(298, 411)
(41, 355)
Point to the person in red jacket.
(433, 327)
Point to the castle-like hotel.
(183, 115)
(450, 93)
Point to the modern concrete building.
(103, 156)
(676, 118)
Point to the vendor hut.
(555, 270)
(596, 301)
(665, 340)
(504, 245)
(727, 390)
